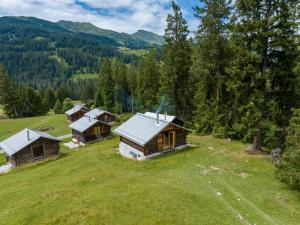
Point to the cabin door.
(38, 151)
(166, 140)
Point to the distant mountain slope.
(149, 37)
(43, 53)
(140, 39)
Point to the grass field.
(137, 52)
(59, 122)
(214, 182)
(78, 76)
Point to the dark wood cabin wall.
(51, 148)
(89, 135)
(181, 136)
(76, 115)
(152, 146)
(107, 118)
(132, 144)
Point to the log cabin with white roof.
(29, 146)
(150, 134)
(93, 125)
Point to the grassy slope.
(78, 76)
(97, 186)
(9, 127)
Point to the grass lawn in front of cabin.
(59, 122)
(215, 182)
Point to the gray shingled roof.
(20, 140)
(162, 117)
(83, 124)
(75, 109)
(141, 128)
(94, 113)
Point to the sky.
(119, 15)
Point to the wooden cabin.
(94, 125)
(29, 146)
(76, 112)
(147, 135)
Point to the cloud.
(120, 15)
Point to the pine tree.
(288, 169)
(262, 79)
(67, 104)
(50, 97)
(132, 86)
(148, 82)
(106, 86)
(211, 57)
(175, 79)
(11, 95)
(57, 107)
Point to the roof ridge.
(153, 118)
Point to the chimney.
(157, 118)
(28, 137)
(165, 116)
(89, 119)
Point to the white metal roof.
(141, 128)
(94, 113)
(83, 124)
(20, 140)
(75, 109)
(163, 117)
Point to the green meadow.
(56, 123)
(212, 182)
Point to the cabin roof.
(75, 109)
(163, 117)
(94, 113)
(83, 123)
(141, 128)
(20, 140)
(88, 120)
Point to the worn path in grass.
(214, 182)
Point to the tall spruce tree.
(105, 89)
(288, 169)
(175, 78)
(211, 57)
(262, 79)
(148, 82)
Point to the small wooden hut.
(76, 112)
(94, 125)
(150, 134)
(29, 146)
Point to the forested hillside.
(43, 54)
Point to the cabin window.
(105, 118)
(38, 151)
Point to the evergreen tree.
(67, 104)
(132, 86)
(50, 97)
(106, 85)
(176, 86)
(262, 79)
(57, 107)
(148, 82)
(11, 95)
(211, 57)
(288, 169)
